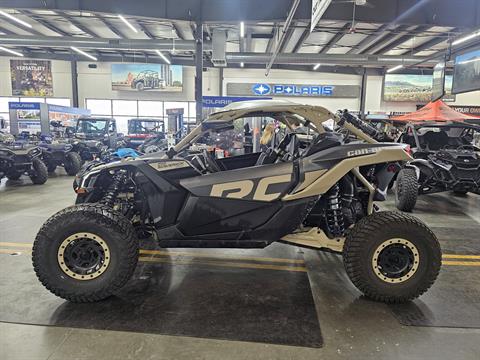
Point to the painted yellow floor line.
(189, 253)
(455, 256)
(224, 264)
(461, 263)
(221, 256)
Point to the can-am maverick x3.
(319, 198)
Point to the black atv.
(19, 159)
(319, 197)
(60, 154)
(444, 160)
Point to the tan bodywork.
(315, 182)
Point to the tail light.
(408, 150)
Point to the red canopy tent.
(434, 111)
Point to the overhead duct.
(219, 45)
(101, 43)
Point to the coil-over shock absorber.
(334, 214)
(118, 180)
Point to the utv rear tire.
(40, 174)
(406, 190)
(102, 225)
(73, 163)
(392, 257)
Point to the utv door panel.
(209, 215)
(263, 183)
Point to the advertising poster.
(147, 77)
(413, 88)
(31, 77)
(467, 72)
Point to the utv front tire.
(406, 190)
(392, 257)
(40, 172)
(85, 253)
(73, 163)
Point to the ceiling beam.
(302, 38)
(112, 28)
(45, 23)
(144, 29)
(399, 32)
(456, 13)
(402, 39)
(77, 24)
(101, 43)
(336, 38)
(272, 40)
(427, 45)
(370, 39)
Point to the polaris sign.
(264, 89)
(292, 90)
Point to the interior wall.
(61, 74)
(96, 83)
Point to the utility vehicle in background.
(92, 134)
(444, 159)
(143, 129)
(22, 159)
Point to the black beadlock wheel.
(40, 172)
(85, 253)
(73, 163)
(392, 257)
(406, 189)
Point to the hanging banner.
(31, 77)
(318, 9)
(147, 77)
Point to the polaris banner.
(222, 101)
(311, 90)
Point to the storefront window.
(99, 107)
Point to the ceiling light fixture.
(242, 29)
(466, 38)
(83, 53)
(15, 19)
(162, 56)
(316, 67)
(395, 68)
(127, 23)
(10, 51)
(242, 64)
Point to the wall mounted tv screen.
(466, 72)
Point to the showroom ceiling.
(350, 42)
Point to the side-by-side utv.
(321, 197)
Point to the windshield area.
(145, 126)
(92, 126)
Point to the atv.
(319, 198)
(17, 159)
(444, 159)
(60, 154)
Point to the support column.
(363, 94)
(198, 70)
(74, 73)
(220, 81)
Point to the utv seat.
(435, 140)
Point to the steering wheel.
(210, 164)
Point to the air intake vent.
(219, 43)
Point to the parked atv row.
(22, 159)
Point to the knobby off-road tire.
(406, 190)
(51, 166)
(40, 172)
(73, 163)
(373, 254)
(14, 175)
(104, 232)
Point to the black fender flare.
(417, 164)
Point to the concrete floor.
(351, 326)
